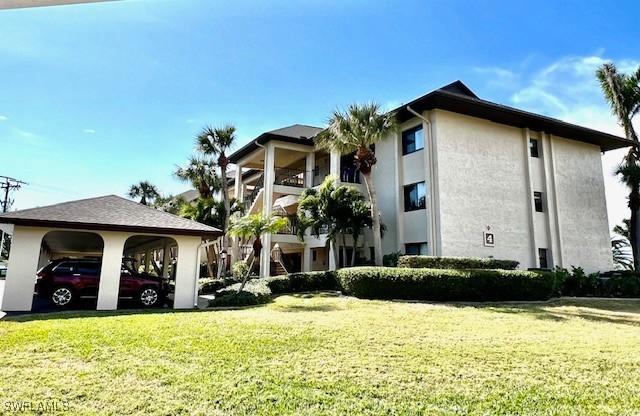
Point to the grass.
(331, 355)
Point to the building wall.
(582, 210)
(485, 178)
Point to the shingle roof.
(296, 133)
(109, 212)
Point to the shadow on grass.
(310, 307)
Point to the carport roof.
(108, 213)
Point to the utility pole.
(9, 184)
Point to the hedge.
(619, 284)
(431, 262)
(258, 291)
(447, 285)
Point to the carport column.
(186, 273)
(23, 264)
(166, 259)
(269, 179)
(310, 167)
(147, 261)
(239, 194)
(109, 286)
(334, 170)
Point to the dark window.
(412, 140)
(63, 268)
(534, 151)
(372, 253)
(415, 249)
(543, 258)
(88, 269)
(537, 200)
(314, 255)
(415, 197)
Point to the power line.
(9, 184)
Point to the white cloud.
(567, 89)
(89, 131)
(3, 118)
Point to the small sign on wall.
(489, 237)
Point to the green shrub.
(255, 292)
(446, 284)
(620, 284)
(311, 281)
(391, 259)
(624, 284)
(239, 269)
(431, 262)
(277, 284)
(210, 285)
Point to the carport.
(107, 227)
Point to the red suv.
(66, 280)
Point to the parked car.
(64, 281)
(3, 271)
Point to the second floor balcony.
(290, 177)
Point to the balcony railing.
(349, 175)
(291, 228)
(290, 177)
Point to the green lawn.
(331, 355)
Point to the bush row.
(447, 284)
(431, 262)
(258, 291)
(619, 284)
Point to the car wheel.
(61, 296)
(149, 297)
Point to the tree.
(336, 210)
(5, 248)
(622, 91)
(620, 247)
(200, 172)
(254, 226)
(145, 191)
(170, 203)
(357, 130)
(215, 142)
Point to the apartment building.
(462, 177)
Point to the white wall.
(482, 183)
(582, 210)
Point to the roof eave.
(27, 222)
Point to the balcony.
(349, 175)
(290, 177)
(292, 226)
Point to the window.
(537, 201)
(415, 197)
(534, 151)
(372, 253)
(543, 258)
(415, 249)
(62, 269)
(412, 140)
(314, 254)
(88, 269)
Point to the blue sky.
(95, 97)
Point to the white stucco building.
(462, 177)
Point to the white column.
(310, 165)
(21, 271)
(109, 285)
(269, 178)
(239, 195)
(166, 259)
(306, 259)
(186, 273)
(332, 256)
(334, 164)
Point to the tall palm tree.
(215, 142)
(145, 191)
(254, 226)
(622, 91)
(357, 130)
(200, 172)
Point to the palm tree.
(620, 246)
(254, 226)
(170, 203)
(357, 130)
(622, 91)
(215, 142)
(145, 191)
(200, 172)
(336, 211)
